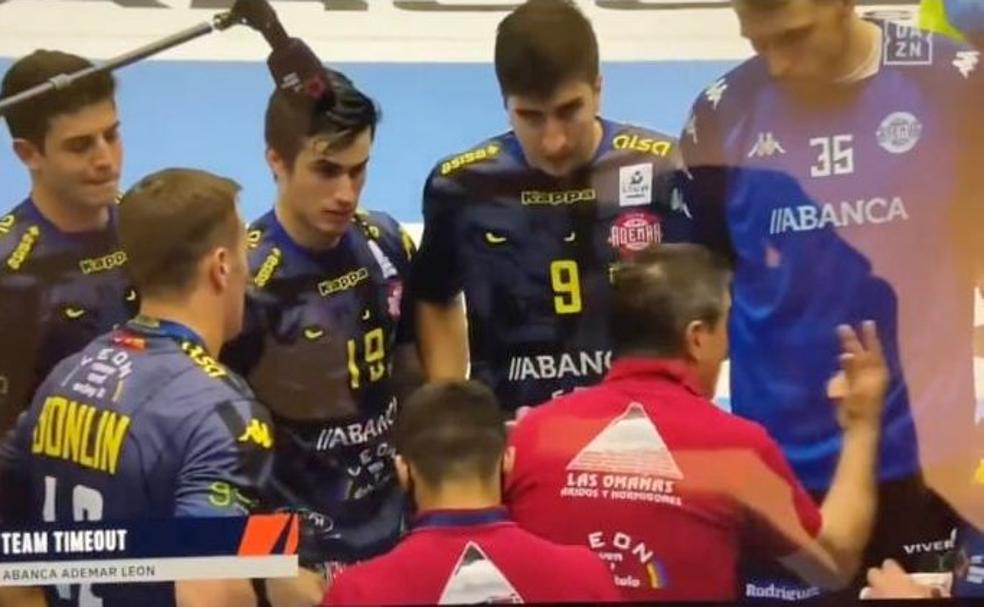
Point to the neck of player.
(301, 233)
(194, 311)
(471, 494)
(68, 216)
(863, 40)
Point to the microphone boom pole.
(218, 23)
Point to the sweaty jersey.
(665, 487)
(533, 254)
(849, 202)
(58, 291)
(323, 334)
(455, 557)
(142, 423)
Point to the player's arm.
(22, 597)
(441, 327)
(703, 180)
(225, 473)
(850, 505)
(442, 331)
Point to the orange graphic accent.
(292, 535)
(262, 532)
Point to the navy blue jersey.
(840, 204)
(320, 346)
(142, 423)
(58, 291)
(533, 253)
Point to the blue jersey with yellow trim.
(842, 203)
(58, 291)
(142, 423)
(533, 253)
(321, 342)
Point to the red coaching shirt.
(661, 484)
(474, 556)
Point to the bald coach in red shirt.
(666, 488)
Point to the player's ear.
(694, 340)
(508, 460)
(276, 163)
(402, 472)
(219, 267)
(28, 153)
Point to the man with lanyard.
(329, 343)
(527, 225)
(462, 548)
(176, 433)
(61, 269)
(839, 169)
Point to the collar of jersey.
(442, 519)
(604, 146)
(156, 327)
(672, 370)
(35, 215)
(280, 236)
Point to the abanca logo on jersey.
(809, 217)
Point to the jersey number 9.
(566, 282)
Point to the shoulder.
(491, 156)
(19, 235)
(638, 142)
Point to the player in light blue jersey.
(840, 170)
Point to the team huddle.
(520, 410)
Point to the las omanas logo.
(476, 579)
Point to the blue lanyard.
(461, 518)
(157, 327)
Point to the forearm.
(851, 503)
(442, 333)
(21, 597)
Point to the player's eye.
(494, 239)
(112, 135)
(78, 145)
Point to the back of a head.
(542, 45)
(292, 118)
(30, 121)
(662, 290)
(169, 221)
(450, 431)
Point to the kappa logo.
(766, 147)
(476, 579)
(715, 92)
(630, 444)
(966, 62)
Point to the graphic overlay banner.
(150, 550)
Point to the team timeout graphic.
(628, 460)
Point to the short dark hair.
(662, 290)
(543, 44)
(169, 220)
(31, 121)
(292, 118)
(451, 430)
